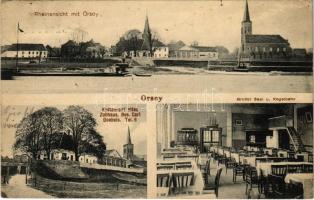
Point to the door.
(284, 140)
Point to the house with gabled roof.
(25, 50)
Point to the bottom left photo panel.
(74, 151)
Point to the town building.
(161, 52)
(113, 158)
(70, 49)
(89, 49)
(174, 46)
(196, 52)
(53, 52)
(57, 154)
(88, 158)
(256, 47)
(26, 50)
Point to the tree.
(80, 124)
(93, 143)
(38, 130)
(51, 123)
(28, 135)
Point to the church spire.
(128, 140)
(146, 28)
(246, 16)
(147, 37)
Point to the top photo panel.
(230, 46)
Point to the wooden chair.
(295, 190)
(278, 186)
(310, 159)
(163, 184)
(238, 170)
(279, 170)
(206, 171)
(300, 158)
(251, 179)
(182, 180)
(276, 179)
(295, 168)
(230, 164)
(291, 156)
(213, 186)
(307, 168)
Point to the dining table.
(265, 167)
(306, 179)
(198, 185)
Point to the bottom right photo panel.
(234, 151)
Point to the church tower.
(246, 24)
(128, 147)
(147, 38)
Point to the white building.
(30, 51)
(57, 154)
(88, 158)
(197, 52)
(161, 52)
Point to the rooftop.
(265, 39)
(27, 47)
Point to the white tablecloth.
(198, 183)
(235, 156)
(266, 167)
(307, 181)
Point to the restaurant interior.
(235, 151)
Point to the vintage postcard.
(234, 151)
(142, 46)
(86, 151)
(157, 99)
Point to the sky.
(205, 21)
(114, 133)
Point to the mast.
(17, 47)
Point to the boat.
(69, 74)
(241, 66)
(143, 75)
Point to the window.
(278, 49)
(270, 49)
(256, 49)
(264, 49)
(252, 139)
(284, 49)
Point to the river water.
(223, 83)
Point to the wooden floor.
(228, 189)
